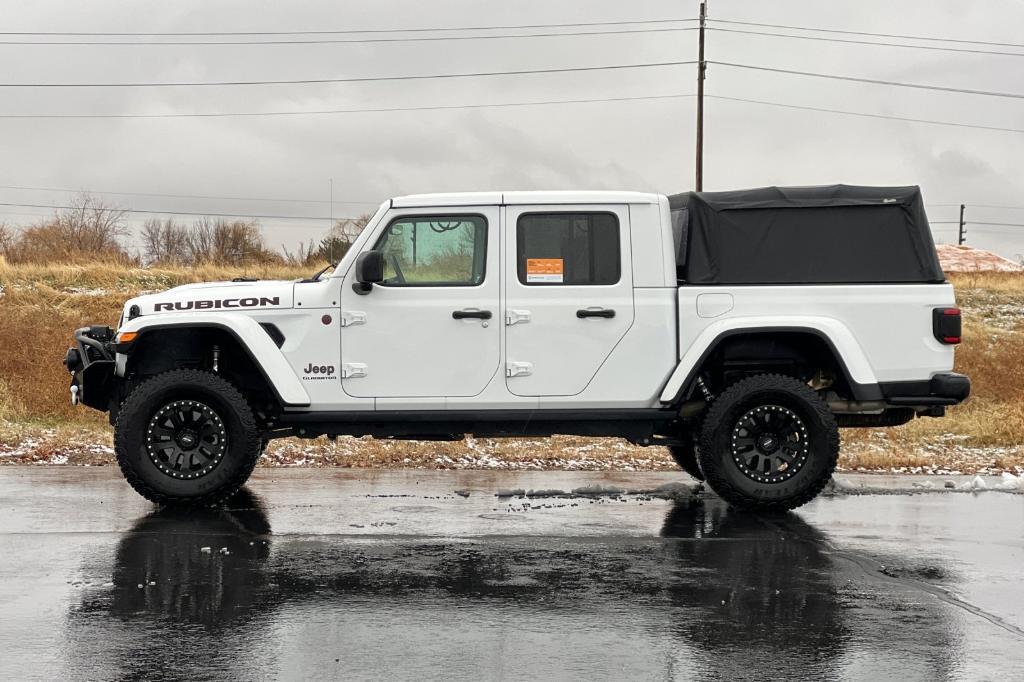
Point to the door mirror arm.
(369, 271)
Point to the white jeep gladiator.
(739, 329)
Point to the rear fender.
(840, 339)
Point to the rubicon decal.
(251, 302)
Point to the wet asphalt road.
(371, 575)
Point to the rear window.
(568, 249)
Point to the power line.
(377, 110)
(185, 213)
(867, 33)
(868, 42)
(186, 196)
(867, 115)
(1014, 208)
(322, 41)
(355, 79)
(873, 81)
(346, 31)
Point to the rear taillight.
(946, 325)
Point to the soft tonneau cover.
(834, 234)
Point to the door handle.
(471, 314)
(606, 313)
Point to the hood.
(214, 296)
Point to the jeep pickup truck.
(739, 329)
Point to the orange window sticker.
(544, 270)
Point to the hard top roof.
(529, 197)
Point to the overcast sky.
(642, 145)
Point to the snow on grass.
(948, 454)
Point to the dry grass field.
(40, 305)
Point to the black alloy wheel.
(186, 439)
(768, 443)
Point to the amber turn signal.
(125, 337)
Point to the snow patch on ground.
(85, 291)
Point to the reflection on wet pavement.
(623, 588)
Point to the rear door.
(568, 294)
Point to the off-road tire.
(243, 441)
(818, 443)
(685, 456)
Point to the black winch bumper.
(91, 364)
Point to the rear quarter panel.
(883, 331)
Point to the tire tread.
(228, 394)
(716, 414)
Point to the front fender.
(250, 335)
(842, 341)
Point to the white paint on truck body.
(401, 349)
(882, 332)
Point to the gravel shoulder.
(946, 455)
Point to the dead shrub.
(88, 231)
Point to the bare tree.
(306, 253)
(165, 241)
(6, 239)
(341, 237)
(88, 230)
(227, 242)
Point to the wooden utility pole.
(962, 236)
(330, 229)
(701, 67)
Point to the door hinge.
(353, 370)
(514, 316)
(518, 369)
(352, 317)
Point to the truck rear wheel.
(685, 456)
(768, 443)
(186, 438)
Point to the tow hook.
(74, 394)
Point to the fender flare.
(250, 336)
(837, 336)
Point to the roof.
(836, 234)
(799, 197)
(521, 198)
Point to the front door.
(569, 295)
(432, 328)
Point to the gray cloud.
(645, 145)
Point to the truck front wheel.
(768, 443)
(186, 438)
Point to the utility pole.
(701, 68)
(962, 236)
(330, 236)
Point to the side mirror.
(369, 271)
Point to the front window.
(434, 250)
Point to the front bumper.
(90, 361)
(945, 388)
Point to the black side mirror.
(369, 271)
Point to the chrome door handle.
(606, 313)
(471, 314)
